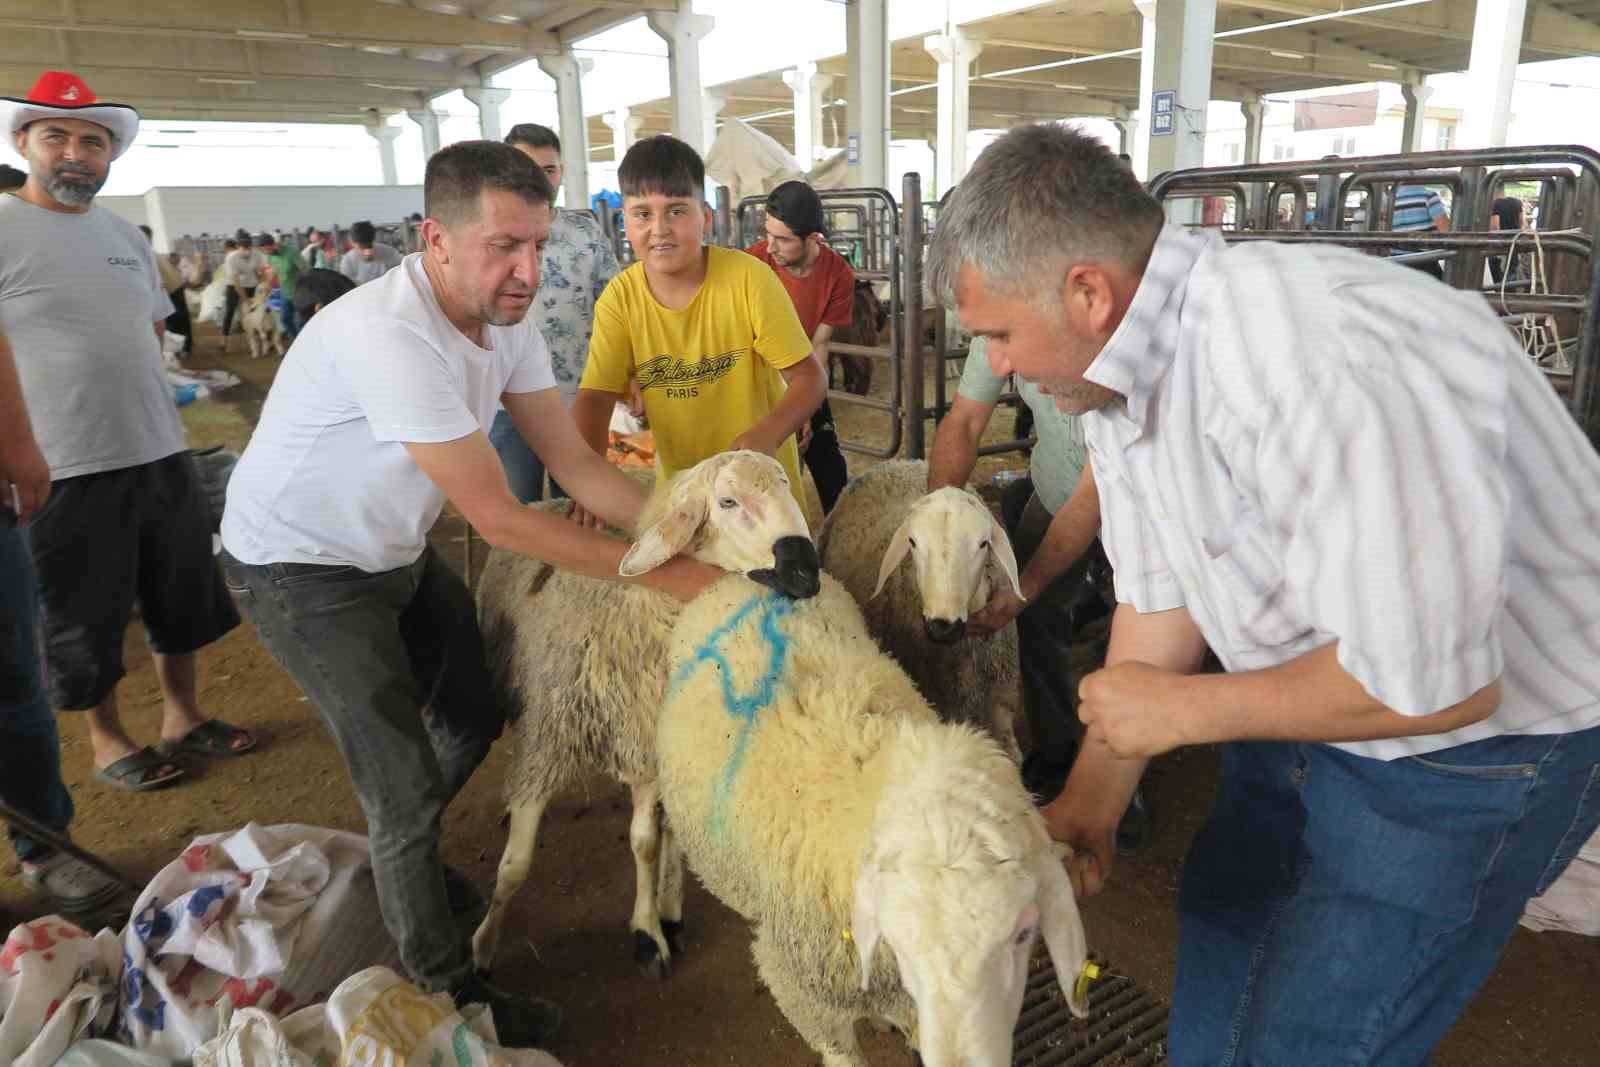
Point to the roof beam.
(357, 24)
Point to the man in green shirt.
(287, 264)
(1052, 517)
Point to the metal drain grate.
(1126, 1027)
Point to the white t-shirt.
(326, 478)
(243, 268)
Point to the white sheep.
(262, 328)
(816, 793)
(581, 666)
(919, 613)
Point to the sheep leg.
(1003, 715)
(669, 888)
(513, 872)
(828, 1030)
(650, 949)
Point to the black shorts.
(104, 541)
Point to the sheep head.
(958, 879)
(735, 511)
(951, 538)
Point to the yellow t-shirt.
(708, 372)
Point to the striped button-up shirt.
(1316, 446)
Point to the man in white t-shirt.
(241, 272)
(377, 416)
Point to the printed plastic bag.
(56, 984)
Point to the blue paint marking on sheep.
(745, 707)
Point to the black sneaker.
(519, 1021)
(1133, 831)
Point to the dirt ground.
(567, 934)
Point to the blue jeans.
(524, 470)
(1337, 910)
(288, 319)
(394, 664)
(30, 751)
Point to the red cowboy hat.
(58, 94)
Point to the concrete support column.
(428, 120)
(488, 103)
(1491, 72)
(1255, 116)
(385, 136)
(1180, 63)
(567, 71)
(1147, 80)
(954, 51)
(682, 30)
(624, 131)
(809, 88)
(867, 112)
(1416, 95)
(711, 106)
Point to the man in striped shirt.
(1352, 486)
(1416, 207)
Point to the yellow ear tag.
(1086, 977)
(847, 934)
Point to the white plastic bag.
(1572, 903)
(374, 1019)
(56, 982)
(213, 302)
(269, 917)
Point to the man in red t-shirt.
(822, 286)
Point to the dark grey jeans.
(1044, 635)
(394, 663)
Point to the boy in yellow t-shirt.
(712, 337)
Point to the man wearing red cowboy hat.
(83, 304)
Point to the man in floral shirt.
(577, 264)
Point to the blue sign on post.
(853, 150)
(1163, 110)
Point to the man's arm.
(1101, 784)
(591, 414)
(955, 442)
(544, 424)
(22, 464)
(470, 474)
(1145, 710)
(1071, 530)
(807, 387)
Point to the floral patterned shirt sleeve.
(578, 263)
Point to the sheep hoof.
(647, 955)
(674, 935)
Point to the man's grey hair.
(1039, 200)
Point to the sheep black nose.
(945, 631)
(796, 572)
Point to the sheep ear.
(1000, 549)
(864, 920)
(899, 545)
(668, 536)
(1062, 928)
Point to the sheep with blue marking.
(893, 865)
(581, 666)
(958, 552)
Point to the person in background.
(318, 254)
(11, 178)
(574, 270)
(1505, 215)
(172, 282)
(370, 259)
(241, 271)
(287, 265)
(30, 747)
(709, 332)
(823, 288)
(1418, 208)
(1366, 501)
(127, 521)
(316, 289)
